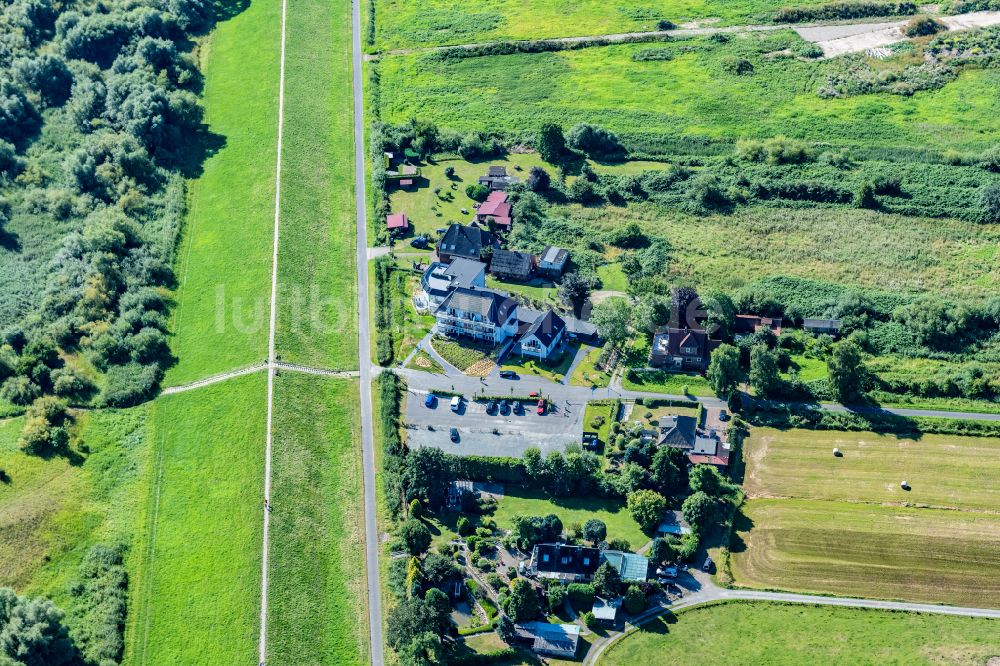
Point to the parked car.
(541, 407)
(723, 415)
(667, 572)
(430, 400)
(508, 374)
(491, 406)
(419, 242)
(503, 406)
(456, 403)
(518, 407)
(533, 394)
(454, 434)
(707, 566)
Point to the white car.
(456, 402)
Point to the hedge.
(487, 468)
(844, 10)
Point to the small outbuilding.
(397, 223)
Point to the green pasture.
(406, 25)
(789, 634)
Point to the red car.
(541, 407)
(533, 394)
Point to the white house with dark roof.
(439, 279)
(485, 315)
(543, 336)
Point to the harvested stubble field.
(842, 525)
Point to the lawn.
(571, 510)
(317, 299)
(196, 596)
(757, 633)
(317, 578)
(553, 369)
(52, 510)
(943, 470)
(612, 278)
(469, 357)
(224, 259)
(596, 409)
(842, 525)
(403, 24)
(868, 550)
(671, 383)
(423, 361)
(586, 374)
(542, 292)
(809, 368)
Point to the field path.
(364, 348)
(272, 324)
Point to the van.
(456, 402)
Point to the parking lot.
(494, 434)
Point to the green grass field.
(224, 260)
(943, 471)
(868, 550)
(757, 633)
(403, 24)
(52, 510)
(317, 578)
(690, 95)
(571, 510)
(586, 374)
(196, 598)
(842, 525)
(317, 301)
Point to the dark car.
(503, 406)
(430, 400)
(491, 407)
(707, 566)
(723, 415)
(518, 408)
(508, 374)
(419, 242)
(454, 434)
(541, 407)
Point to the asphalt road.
(364, 350)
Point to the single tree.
(551, 143)
(595, 531)
(724, 370)
(538, 180)
(847, 371)
(635, 600)
(416, 537)
(668, 470)
(573, 290)
(661, 551)
(612, 318)
(647, 508)
(707, 479)
(607, 581)
(764, 376)
(505, 629)
(521, 604)
(407, 620)
(701, 511)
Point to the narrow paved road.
(364, 349)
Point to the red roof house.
(497, 207)
(397, 221)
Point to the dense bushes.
(393, 450)
(836, 11)
(107, 179)
(540, 46)
(98, 615)
(384, 348)
(32, 632)
(922, 26)
(595, 142)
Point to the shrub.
(581, 595)
(590, 620)
(100, 594)
(923, 26)
(416, 537)
(989, 204)
(737, 66)
(477, 192)
(595, 141)
(635, 600)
